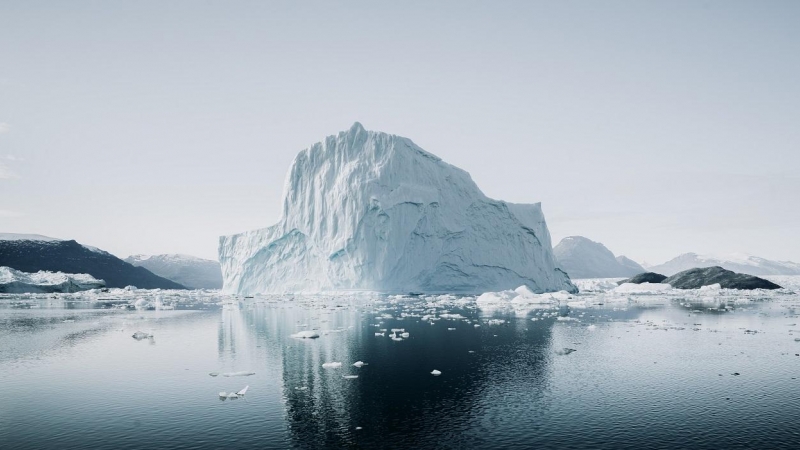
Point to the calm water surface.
(655, 374)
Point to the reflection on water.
(665, 373)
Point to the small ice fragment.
(223, 394)
(404, 335)
(359, 428)
(350, 377)
(139, 335)
(436, 373)
(305, 335)
(359, 363)
(380, 334)
(301, 388)
(477, 325)
(331, 365)
(232, 395)
(451, 329)
(395, 338)
(565, 351)
(238, 374)
(213, 374)
(243, 391)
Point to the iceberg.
(366, 210)
(15, 281)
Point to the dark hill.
(72, 257)
(647, 277)
(727, 279)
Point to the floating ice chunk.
(643, 287)
(213, 374)
(565, 351)
(436, 373)
(232, 396)
(380, 334)
(567, 319)
(395, 338)
(238, 374)
(451, 329)
(331, 365)
(711, 287)
(305, 335)
(452, 316)
(223, 394)
(243, 391)
(359, 364)
(139, 335)
(404, 335)
(477, 325)
(350, 377)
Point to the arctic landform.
(366, 210)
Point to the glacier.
(372, 211)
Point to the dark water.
(643, 376)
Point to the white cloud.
(6, 213)
(4, 127)
(6, 173)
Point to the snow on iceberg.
(366, 210)
(15, 281)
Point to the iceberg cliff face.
(366, 210)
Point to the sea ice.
(238, 374)
(305, 335)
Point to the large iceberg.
(366, 210)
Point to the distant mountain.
(583, 258)
(35, 253)
(190, 271)
(751, 265)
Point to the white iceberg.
(331, 365)
(642, 288)
(366, 210)
(238, 374)
(436, 373)
(15, 281)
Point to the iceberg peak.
(366, 210)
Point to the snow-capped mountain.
(70, 257)
(584, 258)
(373, 211)
(14, 281)
(190, 271)
(751, 265)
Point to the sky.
(656, 128)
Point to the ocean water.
(684, 369)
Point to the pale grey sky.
(654, 127)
